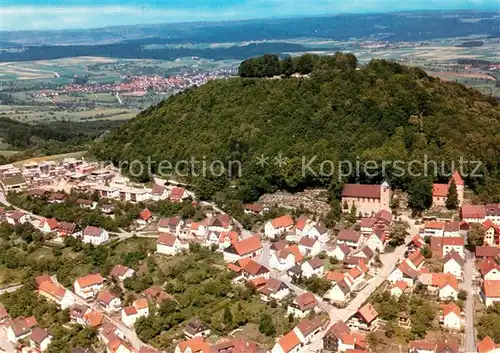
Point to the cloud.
(82, 14)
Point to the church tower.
(385, 196)
(459, 182)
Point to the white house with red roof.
(254, 209)
(54, 292)
(473, 213)
(398, 288)
(227, 238)
(287, 258)
(20, 328)
(365, 319)
(16, 217)
(491, 292)
(303, 304)
(178, 194)
(404, 272)
(159, 192)
(48, 225)
(309, 246)
(350, 237)
(340, 252)
(339, 293)
(172, 225)
(122, 272)
(289, 343)
(377, 240)
(493, 213)
(250, 247)
(40, 339)
(145, 217)
(492, 233)
(308, 329)
(302, 225)
(453, 264)
(95, 235)
(88, 286)
(273, 289)
(220, 223)
(313, 267)
(434, 229)
(450, 316)
(168, 244)
(368, 199)
(278, 226)
(109, 301)
(440, 191)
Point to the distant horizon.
(46, 15)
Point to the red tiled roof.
(254, 207)
(196, 344)
(434, 225)
(491, 289)
(401, 285)
(416, 258)
(176, 193)
(489, 224)
(450, 308)
(233, 237)
(457, 178)
(307, 242)
(439, 190)
(54, 290)
(157, 189)
(67, 227)
(94, 318)
(334, 276)
(368, 313)
(473, 211)
(422, 345)
(166, 239)
(130, 310)
(89, 280)
(289, 341)
(487, 251)
(119, 270)
(105, 297)
(282, 222)
(348, 235)
(38, 335)
(301, 222)
(51, 222)
(306, 301)
(486, 345)
(455, 241)
(308, 326)
(145, 214)
(361, 191)
(248, 245)
(141, 303)
(93, 231)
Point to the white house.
(273, 289)
(450, 318)
(309, 246)
(313, 267)
(453, 244)
(492, 273)
(56, 293)
(434, 229)
(20, 328)
(451, 229)
(285, 259)
(172, 225)
(278, 226)
(88, 286)
(40, 339)
(317, 231)
(340, 252)
(159, 192)
(168, 244)
(15, 217)
(377, 240)
(339, 293)
(308, 329)
(109, 301)
(121, 272)
(289, 343)
(249, 247)
(403, 273)
(48, 225)
(350, 237)
(453, 264)
(95, 235)
(491, 292)
(448, 289)
(398, 288)
(303, 304)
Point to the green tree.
(426, 251)
(475, 236)
(398, 235)
(266, 325)
(420, 195)
(452, 197)
(228, 316)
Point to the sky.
(73, 14)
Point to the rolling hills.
(380, 112)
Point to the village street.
(467, 285)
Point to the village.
(380, 280)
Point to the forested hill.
(383, 111)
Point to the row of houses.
(134, 194)
(446, 345)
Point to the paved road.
(470, 334)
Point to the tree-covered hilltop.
(382, 111)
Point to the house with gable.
(159, 192)
(404, 272)
(249, 247)
(303, 304)
(20, 328)
(453, 263)
(178, 194)
(172, 225)
(219, 223)
(145, 216)
(286, 258)
(54, 292)
(278, 226)
(95, 235)
(308, 330)
(121, 272)
(319, 232)
(273, 289)
(309, 246)
(48, 225)
(491, 292)
(289, 343)
(350, 237)
(377, 240)
(40, 339)
(492, 233)
(109, 301)
(340, 252)
(226, 239)
(487, 345)
(440, 191)
(365, 319)
(339, 293)
(88, 286)
(313, 267)
(450, 316)
(168, 244)
(398, 288)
